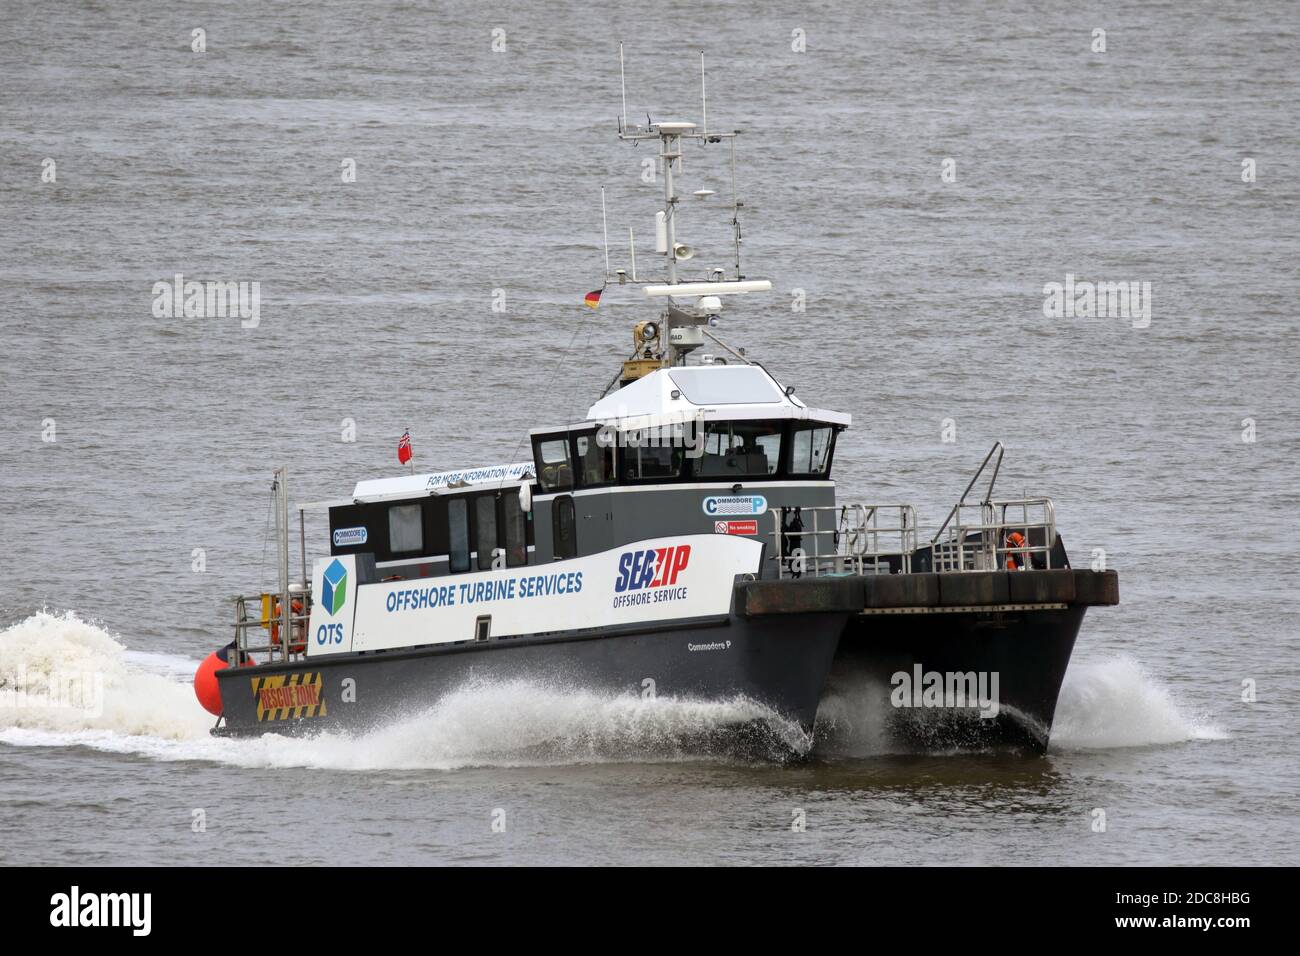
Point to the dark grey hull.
(1027, 650)
(781, 664)
(820, 655)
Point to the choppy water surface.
(480, 171)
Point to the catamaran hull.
(851, 668)
(899, 672)
(919, 661)
(779, 665)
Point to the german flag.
(593, 298)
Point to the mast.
(671, 150)
(682, 326)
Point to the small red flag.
(592, 299)
(404, 447)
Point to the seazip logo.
(335, 591)
(651, 568)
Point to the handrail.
(982, 543)
(855, 538)
(997, 447)
(281, 648)
(976, 537)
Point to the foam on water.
(60, 674)
(1116, 703)
(520, 723)
(147, 707)
(1104, 704)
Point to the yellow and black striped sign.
(288, 696)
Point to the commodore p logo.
(335, 591)
(735, 505)
(651, 568)
(350, 537)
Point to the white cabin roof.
(407, 485)
(715, 392)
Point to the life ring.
(297, 639)
(1015, 559)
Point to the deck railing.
(882, 538)
(842, 539)
(992, 535)
(258, 631)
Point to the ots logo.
(335, 591)
(655, 568)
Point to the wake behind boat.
(683, 539)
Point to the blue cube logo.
(335, 591)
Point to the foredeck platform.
(930, 593)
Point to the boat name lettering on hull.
(478, 592)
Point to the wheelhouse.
(691, 424)
(582, 456)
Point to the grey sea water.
(479, 171)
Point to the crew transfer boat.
(683, 539)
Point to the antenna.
(685, 324)
(704, 99)
(735, 209)
(671, 136)
(604, 228)
(623, 80)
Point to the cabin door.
(564, 529)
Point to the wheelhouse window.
(740, 449)
(485, 529)
(405, 529)
(646, 455)
(595, 461)
(554, 471)
(810, 450)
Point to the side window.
(811, 453)
(563, 527)
(515, 524)
(458, 534)
(485, 529)
(554, 470)
(595, 461)
(405, 529)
